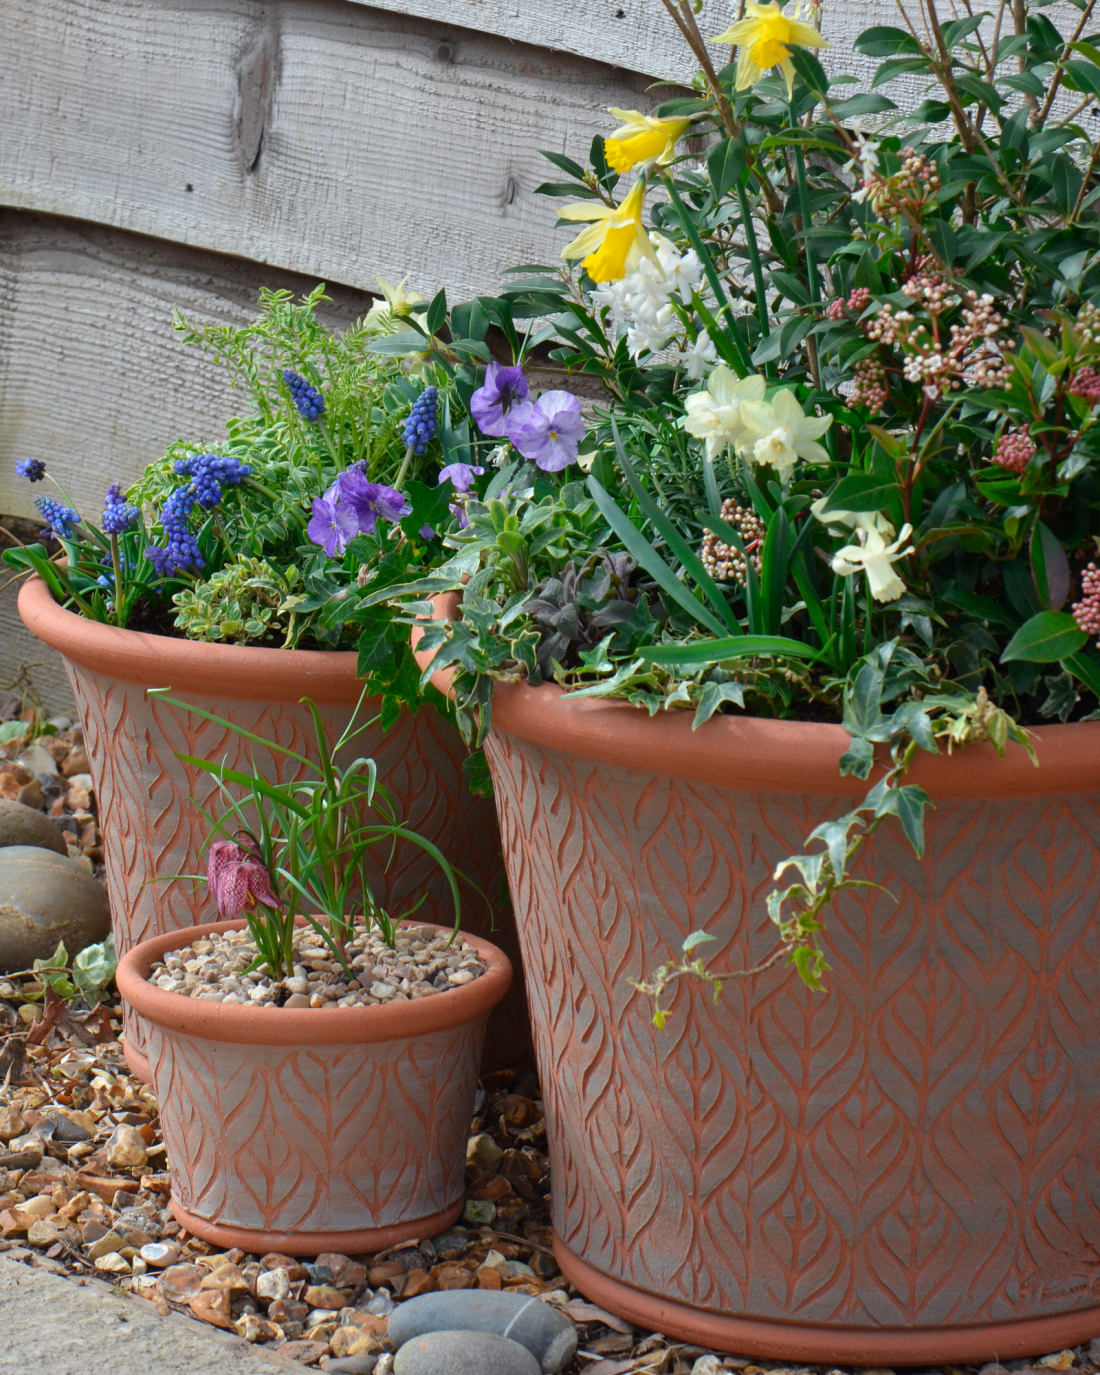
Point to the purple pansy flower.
(461, 475)
(332, 525)
(503, 390)
(426, 532)
(548, 431)
(370, 501)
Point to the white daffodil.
(854, 520)
(383, 318)
(700, 357)
(876, 558)
(778, 433)
(715, 414)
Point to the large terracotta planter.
(313, 1129)
(149, 802)
(902, 1171)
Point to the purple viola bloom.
(503, 390)
(370, 501)
(426, 532)
(548, 431)
(461, 475)
(332, 525)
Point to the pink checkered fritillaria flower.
(238, 879)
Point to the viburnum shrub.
(847, 464)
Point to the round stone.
(21, 825)
(459, 1352)
(44, 899)
(548, 1335)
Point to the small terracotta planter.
(902, 1171)
(314, 1129)
(149, 802)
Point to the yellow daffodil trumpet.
(616, 238)
(642, 140)
(766, 36)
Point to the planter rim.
(246, 671)
(754, 752)
(303, 1026)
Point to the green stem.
(403, 470)
(691, 230)
(754, 258)
(116, 564)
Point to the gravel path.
(82, 1327)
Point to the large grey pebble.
(464, 1353)
(44, 899)
(21, 825)
(547, 1334)
(354, 1365)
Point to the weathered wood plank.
(92, 378)
(316, 135)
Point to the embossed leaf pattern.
(323, 1138)
(918, 1147)
(149, 809)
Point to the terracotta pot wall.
(314, 1129)
(791, 1174)
(149, 801)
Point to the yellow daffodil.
(614, 241)
(642, 139)
(382, 319)
(766, 37)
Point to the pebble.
(113, 1263)
(307, 1352)
(354, 1365)
(126, 1148)
(273, 1284)
(325, 1297)
(37, 759)
(179, 1283)
(708, 1365)
(253, 1328)
(46, 898)
(464, 1353)
(212, 1306)
(1094, 1351)
(548, 1335)
(479, 1211)
(20, 825)
(482, 1151)
(423, 965)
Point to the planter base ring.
(820, 1344)
(138, 1064)
(314, 1243)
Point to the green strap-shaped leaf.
(647, 557)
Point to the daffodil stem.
(812, 281)
(691, 230)
(754, 258)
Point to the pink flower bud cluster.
(856, 304)
(1086, 385)
(870, 387)
(911, 187)
(1014, 450)
(1086, 612)
(725, 562)
(1087, 323)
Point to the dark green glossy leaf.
(1046, 638)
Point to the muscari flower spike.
(421, 424)
(118, 514)
(61, 518)
(310, 402)
(33, 469)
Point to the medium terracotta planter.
(902, 1171)
(314, 1129)
(149, 802)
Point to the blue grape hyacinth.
(61, 518)
(420, 426)
(33, 469)
(118, 514)
(211, 473)
(181, 553)
(308, 399)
